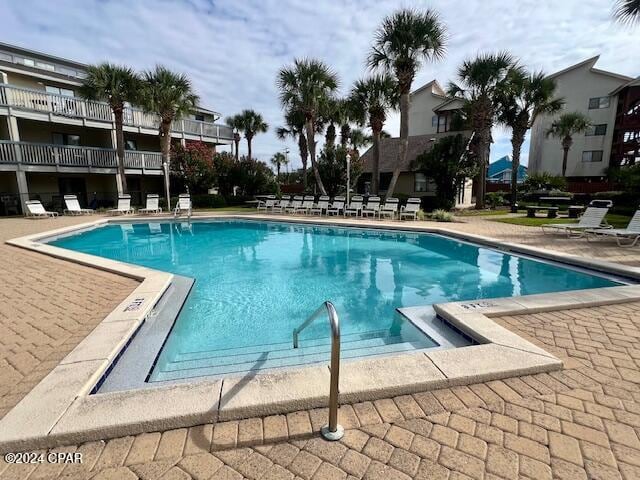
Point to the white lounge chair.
(355, 207)
(36, 210)
(336, 207)
(411, 209)
(372, 207)
(124, 206)
(307, 204)
(282, 204)
(390, 208)
(592, 219)
(183, 205)
(153, 204)
(295, 203)
(267, 204)
(73, 206)
(321, 206)
(631, 234)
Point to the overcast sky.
(233, 49)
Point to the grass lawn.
(617, 221)
(481, 213)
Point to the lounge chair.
(355, 207)
(390, 208)
(124, 206)
(295, 203)
(372, 208)
(321, 206)
(411, 209)
(631, 234)
(267, 204)
(153, 204)
(280, 205)
(36, 210)
(307, 204)
(592, 219)
(183, 205)
(336, 207)
(73, 206)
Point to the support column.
(23, 188)
(114, 145)
(21, 176)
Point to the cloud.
(233, 50)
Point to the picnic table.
(552, 212)
(572, 210)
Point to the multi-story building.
(52, 142)
(611, 101)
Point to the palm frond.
(627, 11)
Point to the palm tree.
(251, 123)
(371, 99)
(279, 160)
(117, 86)
(234, 123)
(481, 79)
(294, 129)
(307, 87)
(170, 96)
(627, 11)
(522, 99)
(359, 139)
(401, 43)
(564, 128)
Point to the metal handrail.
(331, 431)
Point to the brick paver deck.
(578, 423)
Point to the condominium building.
(612, 103)
(53, 143)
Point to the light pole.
(348, 176)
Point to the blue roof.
(503, 164)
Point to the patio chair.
(372, 207)
(631, 234)
(321, 206)
(153, 204)
(124, 206)
(183, 205)
(336, 207)
(295, 203)
(411, 209)
(592, 219)
(307, 204)
(36, 210)
(355, 207)
(280, 205)
(267, 204)
(390, 208)
(73, 206)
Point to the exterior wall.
(33, 83)
(8, 183)
(421, 112)
(146, 143)
(576, 87)
(42, 132)
(406, 186)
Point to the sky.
(233, 49)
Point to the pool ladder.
(332, 431)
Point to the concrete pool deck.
(380, 404)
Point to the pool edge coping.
(78, 417)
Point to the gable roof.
(503, 164)
(633, 83)
(434, 86)
(590, 62)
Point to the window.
(66, 139)
(442, 123)
(596, 130)
(434, 121)
(598, 102)
(28, 62)
(420, 182)
(199, 117)
(59, 91)
(590, 156)
(45, 66)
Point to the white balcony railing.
(44, 154)
(72, 107)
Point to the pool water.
(257, 281)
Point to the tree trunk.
(517, 139)
(404, 141)
(330, 136)
(304, 157)
(249, 138)
(236, 140)
(312, 153)
(483, 155)
(375, 171)
(117, 113)
(345, 131)
(165, 147)
(566, 145)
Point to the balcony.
(92, 113)
(52, 158)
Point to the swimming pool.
(256, 281)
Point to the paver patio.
(581, 422)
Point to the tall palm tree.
(371, 99)
(252, 123)
(565, 127)
(627, 11)
(170, 96)
(307, 87)
(522, 99)
(402, 42)
(480, 81)
(279, 160)
(116, 85)
(359, 139)
(337, 113)
(235, 123)
(295, 127)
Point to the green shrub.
(495, 199)
(441, 215)
(544, 181)
(208, 201)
